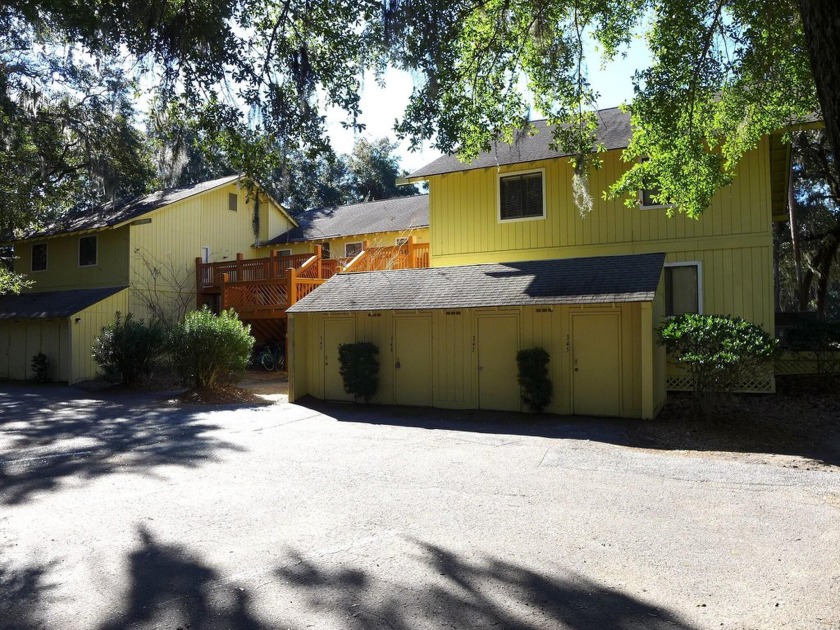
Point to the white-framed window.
(39, 257)
(233, 202)
(205, 254)
(87, 251)
(352, 249)
(683, 288)
(400, 240)
(521, 196)
(647, 196)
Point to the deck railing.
(262, 288)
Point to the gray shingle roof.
(125, 209)
(387, 215)
(48, 304)
(613, 132)
(603, 279)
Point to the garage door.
(336, 332)
(23, 339)
(413, 361)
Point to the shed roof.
(613, 133)
(603, 279)
(388, 215)
(52, 304)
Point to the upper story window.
(683, 293)
(648, 197)
(352, 249)
(233, 201)
(325, 250)
(521, 196)
(400, 241)
(39, 257)
(87, 251)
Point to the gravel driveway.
(128, 511)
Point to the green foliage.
(359, 368)
(11, 282)
(208, 349)
(40, 368)
(533, 378)
(128, 350)
(716, 350)
(820, 338)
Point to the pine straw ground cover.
(798, 427)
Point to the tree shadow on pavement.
(487, 593)
(49, 438)
(21, 594)
(172, 588)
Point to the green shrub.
(716, 350)
(820, 338)
(40, 368)
(359, 369)
(208, 349)
(128, 350)
(533, 378)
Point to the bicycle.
(272, 358)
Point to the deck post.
(223, 292)
(239, 276)
(199, 286)
(319, 254)
(292, 291)
(410, 243)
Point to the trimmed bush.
(359, 369)
(716, 350)
(533, 378)
(208, 349)
(128, 350)
(40, 368)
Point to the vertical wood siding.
(22, 339)
(84, 327)
(453, 351)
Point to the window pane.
(233, 201)
(511, 197)
(533, 202)
(87, 251)
(682, 294)
(39, 257)
(351, 249)
(521, 196)
(647, 196)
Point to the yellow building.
(509, 214)
(136, 256)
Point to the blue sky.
(381, 106)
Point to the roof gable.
(52, 304)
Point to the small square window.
(325, 250)
(39, 257)
(649, 197)
(284, 253)
(87, 251)
(352, 249)
(233, 202)
(521, 196)
(682, 289)
(401, 240)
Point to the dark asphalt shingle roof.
(613, 132)
(125, 209)
(49, 304)
(603, 279)
(397, 214)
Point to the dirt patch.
(221, 395)
(798, 427)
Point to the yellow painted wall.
(176, 234)
(455, 374)
(379, 239)
(732, 239)
(84, 327)
(63, 271)
(20, 340)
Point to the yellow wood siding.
(454, 338)
(84, 327)
(732, 240)
(20, 340)
(176, 234)
(63, 271)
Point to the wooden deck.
(263, 288)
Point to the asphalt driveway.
(127, 511)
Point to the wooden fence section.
(263, 288)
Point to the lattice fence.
(761, 382)
(804, 362)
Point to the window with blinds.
(521, 196)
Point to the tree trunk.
(801, 292)
(824, 269)
(821, 25)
